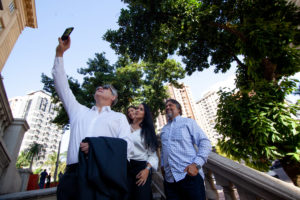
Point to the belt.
(72, 167)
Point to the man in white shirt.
(100, 120)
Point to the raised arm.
(61, 81)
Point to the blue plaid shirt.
(179, 138)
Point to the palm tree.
(33, 151)
(51, 161)
(22, 160)
(56, 164)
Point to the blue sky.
(34, 51)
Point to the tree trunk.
(292, 169)
(31, 162)
(269, 69)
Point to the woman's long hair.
(148, 131)
(130, 120)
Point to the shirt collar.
(104, 108)
(175, 119)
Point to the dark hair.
(148, 131)
(173, 101)
(129, 120)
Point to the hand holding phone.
(67, 33)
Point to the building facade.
(15, 15)
(207, 107)
(38, 110)
(184, 97)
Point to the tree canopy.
(261, 31)
(136, 82)
(262, 37)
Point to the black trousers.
(138, 192)
(67, 188)
(189, 188)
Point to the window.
(12, 7)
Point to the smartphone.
(67, 33)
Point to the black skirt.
(138, 192)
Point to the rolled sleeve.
(153, 160)
(203, 144)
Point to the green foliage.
(258, 128)
(38, 170)
(221, 30)
(51, 161)
(135, 82)
(255, 121)
(22, 160)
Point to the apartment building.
(38, 110)
(184, 97)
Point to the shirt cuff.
(199, 161)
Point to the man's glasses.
(105, 87)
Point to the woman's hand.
(142, 176)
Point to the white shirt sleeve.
(62, 88)
(153, 159)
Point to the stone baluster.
(228, 188)
(210, 187)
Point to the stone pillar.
(13, 137)
(10, 180)
(24, 173)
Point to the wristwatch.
(198, 166)
(148, 167)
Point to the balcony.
(235, 180)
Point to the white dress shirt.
(86, 122)
(140, 153)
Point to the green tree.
(22, 160)
(260, 36)
(33, 151)
(51, 161)
(135, 82)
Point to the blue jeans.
(191, 187)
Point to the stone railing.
(241, 182)
(44, 194)
(238, 182)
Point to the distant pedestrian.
(48, 180)
(59, 176)
(43, 176)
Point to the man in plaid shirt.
(185, 149)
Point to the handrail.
(249, 182)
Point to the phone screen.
(67, 32)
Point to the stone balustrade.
(241, 182)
